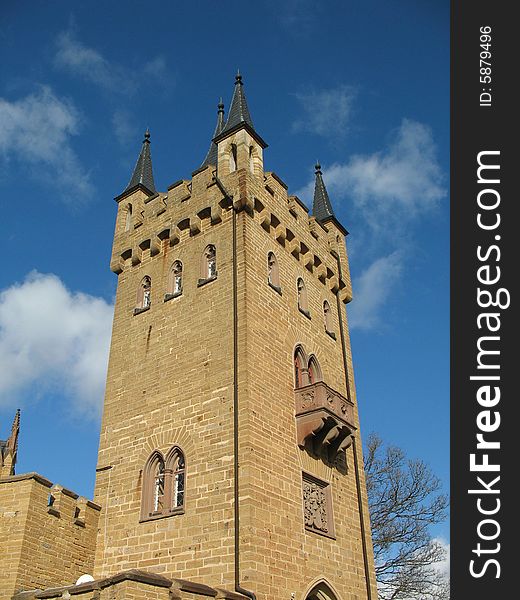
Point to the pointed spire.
(143, 174)
(211, 156)
(321, 207)
(9, 448)
(239, 115)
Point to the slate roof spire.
(321, 206)
(239, 116)
(9, 447)
(211, 156)
(143, 173)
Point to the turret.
(239, 145)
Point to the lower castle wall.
(48, 545)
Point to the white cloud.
(326, 112)
(53, 339)
(394, 185)
(90, 65)
(443, 567)
(372, 289)
(37, 131)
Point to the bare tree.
(404, 500)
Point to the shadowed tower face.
(229, 450)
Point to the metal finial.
(238, 77)
(147, 135)
(220, 105)
(317, 167)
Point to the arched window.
(327, 316)
(128, 218)
(144, 295)
(163, 485)
(303, 305)
(321, 591)
(273, 274)
(300, 367)
(233, 158)
(174, 281)
(251, 160)
(209, 263)
(177, 467)
(152, 502)
(314, 370)
(158, 488)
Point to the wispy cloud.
(124, 126)
(90, 65)
(36, 131)
(372, 290)
(53, 339)
(298, 17)
(326, 112)
(393, 185)
(403, 181)
(387, 192)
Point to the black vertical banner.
(485, 250)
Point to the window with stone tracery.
(209, 264)
(164, 480)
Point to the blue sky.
(363, 87)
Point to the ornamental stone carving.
(317, 506)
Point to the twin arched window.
(307, 370)
(163, 484)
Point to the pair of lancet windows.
(164, 480)
(307, 370)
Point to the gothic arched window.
(176, 278)
(273, 273)
(144, 295)
(163, 485)
(209, 264)
(176, 465)
(314, 370)
(300, 367)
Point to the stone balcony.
(324, 420)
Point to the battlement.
(147, 223)
(52, 533)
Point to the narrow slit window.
(128, 218)
(273, 273)
(233, 158)
(303, 304)
(327, 315)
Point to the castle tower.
(230, 452)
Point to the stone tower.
(230, 452)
